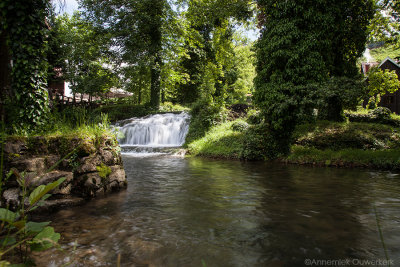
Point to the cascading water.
(154, 134)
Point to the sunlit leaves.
(382, 82)
(87, 64)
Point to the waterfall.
(154, 133)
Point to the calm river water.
(200, 212)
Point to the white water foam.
(152, 133)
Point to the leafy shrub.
(170, 107)
(237, 111)
(254, 116)
(17, 234)
(123, 111)
(240, 126)
(381, 113)
(261, 144)
(382, 82)
(339, 93)
(344, 136)
(372, 104)
(204, 115)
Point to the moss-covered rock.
(90, 165)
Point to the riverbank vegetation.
(191, 58)
(321, 143)
(291, 95)
(184, 56)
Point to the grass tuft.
(219, 142)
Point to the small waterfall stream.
(153, 134)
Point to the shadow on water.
(183, 212)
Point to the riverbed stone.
(37, 164)
(117, 179)
(11, 197)
(117, 174)
(57, 204)
(51, 161)
(42, 162)
(63, 189)
(15, 147)
(89, 164)
(87, 185)
(107, 157)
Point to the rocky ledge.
(90, 166)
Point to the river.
(202, 212)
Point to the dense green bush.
(337, 94)
(204, 115)
(239, 126)
(379, 115)
(261, 144)
(337, 136)
(123, 111)
(254, 116)
(219, 142)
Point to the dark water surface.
(199, 212)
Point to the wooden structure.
(56, 84)
(61, 102)
(391, 100)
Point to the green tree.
(136, 29)
(82, 55)
(208, 63)
(24, 23)
(244, 61)
(382, 82)
(340, 93)
(303, 44)
(385, 25)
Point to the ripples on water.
(190, 212)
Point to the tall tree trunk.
(155, 87)
(156, 12)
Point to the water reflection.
(186, 212)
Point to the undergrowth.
(380, 159)
(126, 110)
(324, 143)
(220, 141)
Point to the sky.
(72, 5)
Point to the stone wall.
(91, 166)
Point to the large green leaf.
(42, 190)
(7, 215)
(34, 227)
(46, 239)
(7, 241)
